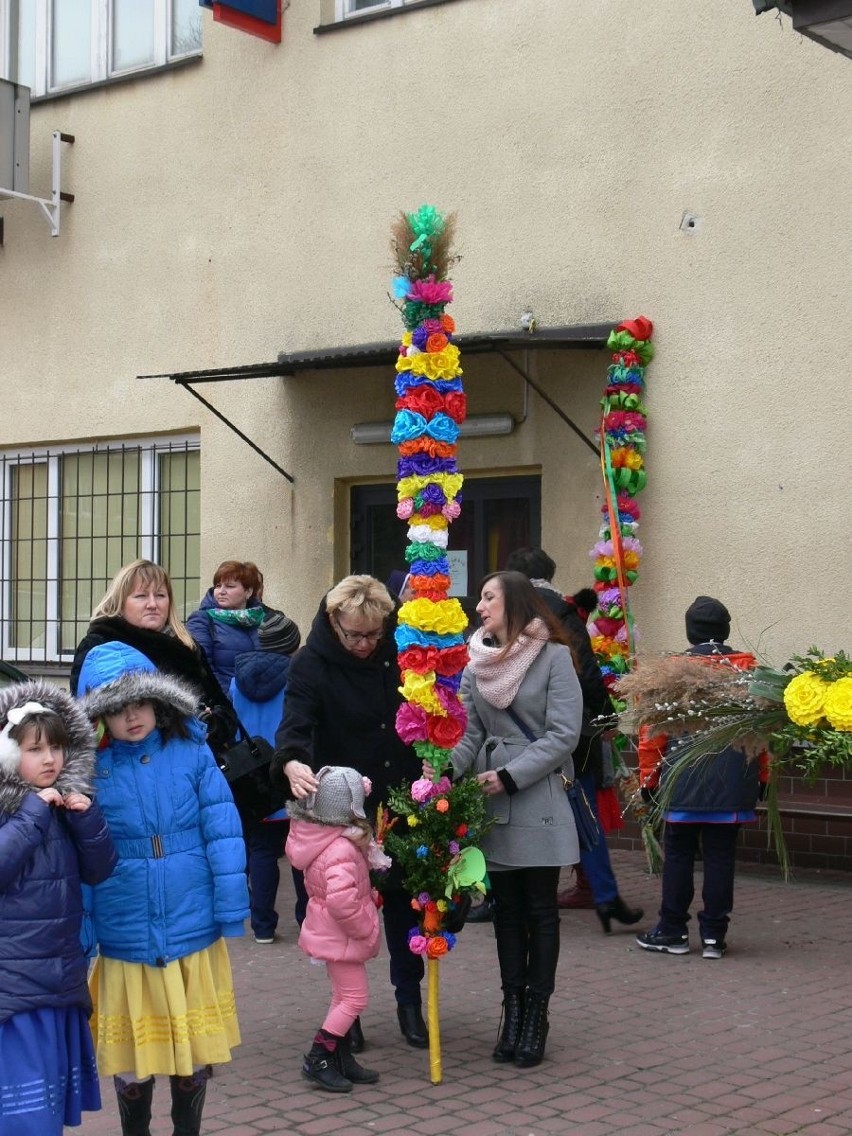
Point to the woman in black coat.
(342, 698)
(139, 610)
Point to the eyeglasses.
(358, 636)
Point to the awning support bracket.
(553, 405)
(236, 429)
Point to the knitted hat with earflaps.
(338, 799)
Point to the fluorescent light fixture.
(476, 426)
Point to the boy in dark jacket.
(706, 810)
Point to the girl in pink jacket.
(331, 841)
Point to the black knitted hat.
(707, 619)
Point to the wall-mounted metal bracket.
(49, 205)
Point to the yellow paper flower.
(420, 688)
(441, 905)
(412, 820)
(445, 617)
(433, 365)
(437, 521)
(451, 484)
(804, 699)
(406, 339)
(838, 703)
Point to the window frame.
(102, 67)
(344, 9)
(149, 539)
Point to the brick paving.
(640, 1044)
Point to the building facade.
(233, 201)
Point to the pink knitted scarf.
(499, 676)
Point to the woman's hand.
(301, 778)
(491, 784)
(429, 771)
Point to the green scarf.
(250, 617)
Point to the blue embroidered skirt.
(47, 1072)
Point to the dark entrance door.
(499, 514)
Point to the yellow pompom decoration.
(838, 704)
(804, 699)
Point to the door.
(499, 514)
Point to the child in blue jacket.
(162, 986)
(53, 838)
(258, 691)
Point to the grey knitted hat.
(338, 798)
(278, 633)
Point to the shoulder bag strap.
(521, 724)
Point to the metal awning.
(589, 337)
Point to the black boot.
(355, 1037)
(534, 1030)
(618, 910)
(412, 1025)
(349, 1067)
(513, 1015)
(320, 1065)
(134, 1106)
(188, 1095)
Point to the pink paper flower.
(431, 292)
(422, 790)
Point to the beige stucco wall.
(240, 206)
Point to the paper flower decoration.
(622, 442)
(435, 846)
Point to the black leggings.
(526, 923)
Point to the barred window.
(72, 516)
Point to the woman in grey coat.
(525, 710)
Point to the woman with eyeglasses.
(342, 698)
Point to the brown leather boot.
(578, 896)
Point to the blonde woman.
(139, 611)
(342, 698)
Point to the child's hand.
(50, 796)
(76, 802)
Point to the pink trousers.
(349, 995)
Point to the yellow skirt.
(165, 1020)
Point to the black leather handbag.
(245, 766)
(588, 832)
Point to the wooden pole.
(434, 1016)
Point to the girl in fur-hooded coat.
(53, 838)
(162, 986)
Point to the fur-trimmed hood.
(78, 770)
(115, 674)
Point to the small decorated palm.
(435, 846)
